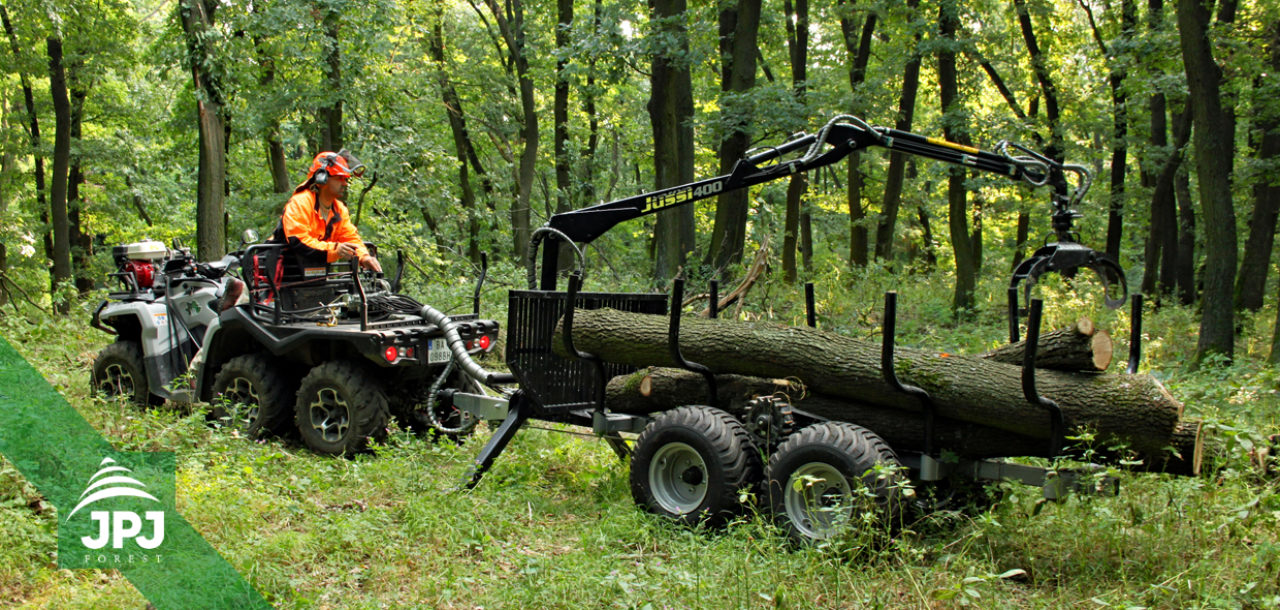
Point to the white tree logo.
(112, 481)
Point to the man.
(315, 225)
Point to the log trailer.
(690, 462)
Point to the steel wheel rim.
(241, 391)
(330, 415)
(678, 478)
(822, 504)
(116, 381)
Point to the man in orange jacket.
(315, 224)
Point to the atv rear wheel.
(264, 395)
(339, 407)
(119, 371)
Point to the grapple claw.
(1066, 258)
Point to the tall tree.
(1162, 238)
(1213, 145)
(197, 18)
(462, 146)
(61, 164)
(858, 49)
(895, 177)
(739, 27)
(511, 24)
(1115, 58)
(332, 136)
(560, 106)
(954, 126)
(670, 108)
(1048, 88)
(1256, 261)
(797, 22)
(33, 136)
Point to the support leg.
(517, 414)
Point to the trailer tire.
(339, 407)
(690, 463)
(829, 478)
(119, 371)
(253, 382)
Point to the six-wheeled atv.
(334, 351)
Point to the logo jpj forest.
(116, 510)
(124, 520)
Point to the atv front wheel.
(119, 371)
(339, 407)
(263, 395)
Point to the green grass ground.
(553, 524)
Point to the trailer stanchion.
(1013, 314)
(570, 299)
(810, 307)
(930, 468)
(1135, 334)
(673, 340)
(1056, 424)
(713, 308)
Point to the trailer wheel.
(119, 371)
(831, 478)
(339, 407)
(690, 463)
(265, 395)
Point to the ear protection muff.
(322, 175)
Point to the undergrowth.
(553, 524)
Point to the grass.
(553, 524)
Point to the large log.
(1079, 347)
(1134, 409)
(654, 389)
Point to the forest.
(191, 121)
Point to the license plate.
(438, 351)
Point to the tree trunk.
(954, 126)
(1213, 148)
(797, 26)
(1120, 121)
(1255, 265)
(33, 135)
(61, 163)
(560, 107)
(894, 179)
(1133, 408)
(511, 25)
(739, 25)
(1077, 348)
(670, 109)
(461, 137)
(1047, 87)
(81, 241)
(211, 187)
(858, 49)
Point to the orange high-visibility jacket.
(310, 236)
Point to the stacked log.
(979, 401)
(1079, 347)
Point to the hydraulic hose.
(459, 349)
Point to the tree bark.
(1255, 264)
(211, 183)
(511, 25)
(896, 175)
(1077, 348)
(1048, 89)
(333, 138)
(670, 109)
(739, 25)
(858, 49)
(1214, 135)
(797, 26)
(1131, 408)
(81, 241)
(560, 108)
(61, 163)
(954, 127)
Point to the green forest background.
(191, 120)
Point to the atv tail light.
(390, 353)
(485, 342)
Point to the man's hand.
(370, 263)
(346, 250)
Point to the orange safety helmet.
(341, 164)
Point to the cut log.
(1079, 347)
(1134, 409)
(654, 389)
